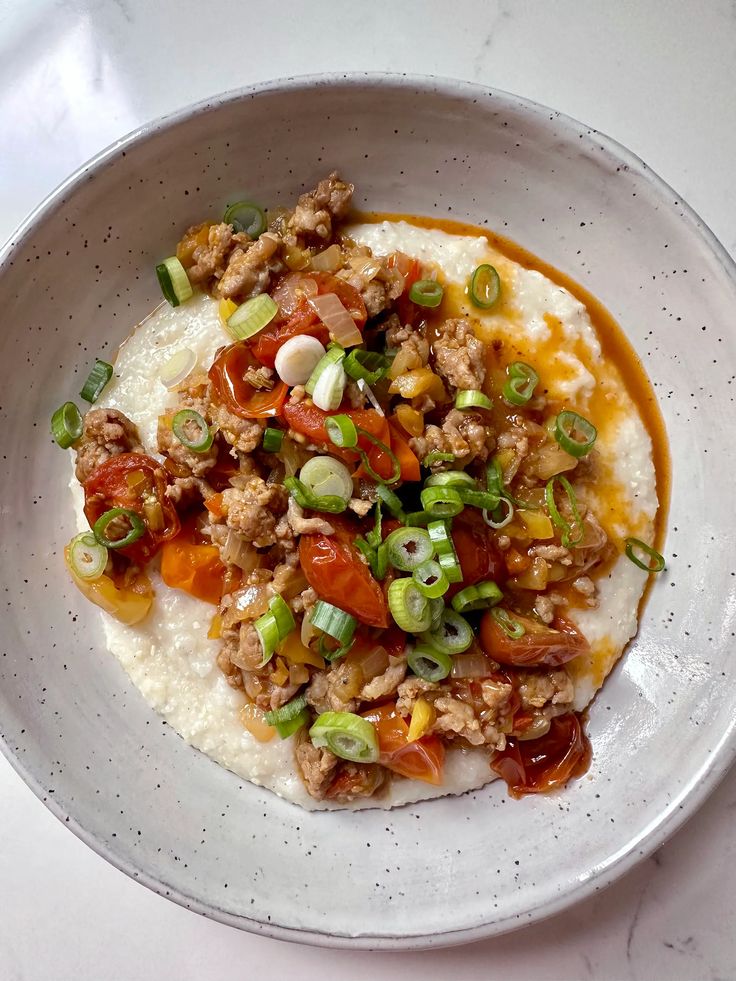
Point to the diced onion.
(474, 664)
(179, 366)
(366, 266)
(297, 358)
(366, 389)
(328, 261)
(236, 551)
(336, 319)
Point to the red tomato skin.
(303, 321)
(540, 646)
(334, 569)
(537, 766)
(479, 558)
(107, 487)
(232, 391)
(422, 759)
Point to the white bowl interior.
(71, 286)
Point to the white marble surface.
(75, 74)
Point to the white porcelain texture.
(80, 273)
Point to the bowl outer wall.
(79, 274)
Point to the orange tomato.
(197, 569)
(227, 375)
(420, 760)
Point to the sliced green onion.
(375, 536)
(324, 476)
(245, 216)
(252, 316)
(655, 559)
(178, 367)
(272, 439)
(493, 517)
(274, 626)
(409, 606)
(452, 635)
(436, 609)
(395, 465)
(379, 566)
(431, 579)
(477, 498)
(574, 433)
(522, 380)
(341, 430)
(445, 549)
(408, 548)
(484, 287)
(183, 421)
(334, 355)
(346, 735)
(87, 557)
(426, 293)
(290, 717)
(472, 399)
(66, 425)
(450, 478)
(174, 282)
(333, 621)
(137, 528)
(418, 519)
(441, 501)
(330, 388)
(557, 519)
(96, 380)
(428, 663)
(391, 500)
(367, 365)
(477, 597)
(331, 504)
(437, 456)
(511, 627)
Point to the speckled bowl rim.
(701, 783)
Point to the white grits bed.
(169, 658)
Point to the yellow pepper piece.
(418, 381)
(127, 605)
(254, 721)
(215, 631)
(422, 719)
(296, 653)
(410, 420)
(281, 674)
(226, 309)
(528, 525)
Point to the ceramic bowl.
(75, 278)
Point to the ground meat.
(187, 490)
(387, 683)
(410, 690)
(250, 267)
(249, 652)
(300, 525)
(317, 767)
(544, 608)
(334, 689)
(497, 696)
(304, 602)
(244, 434)
(552, 553)
(168, 443)
(106, 433)
(356, 780)
(359, 506)
(457, 718)
(315, 212)
(517, 440)
(252, 509)
(414, 352)
(459, 355)
(210, 260)
(539, 688)
(462, 434)
(232, 672)
(396, 332)
(584, 585)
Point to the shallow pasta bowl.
(75, 278)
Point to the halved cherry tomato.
(479, 558)
(303, 321)
(539, 645)
(196, 568)
(421, 760)
(539, 765)
(355, 780)
(109, 486)
(404, 454)
(346, 294)
(227, 375)
(335, 570)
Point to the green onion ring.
(98, 377)
(522, 380)
(452, 635)
(391, 500)
(657, 564)
(426, 293)
(557, 519)
(409, 606)
(137, 528)
(429, 663)
(87, 557)
(189, 416)
(442, 502)
(450, 478)
(347, 735)
(512, 628)
(437, 456)
(408, 548)
(247, 217)
(370, 366)
(396, 466)
(272, 439)
(484, 287)
(328, 503)
(333, 621)
(497, 523)
(342, 430)
(66, 425)
(477, 597)
(472, 399)
(567, 424)
(431, 579)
